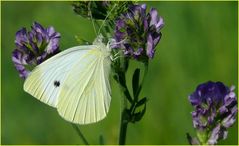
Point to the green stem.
(80, 134)
(124, 115)
(123, 128)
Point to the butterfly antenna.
(91, 18)
(106, 18)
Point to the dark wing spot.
(56, 83)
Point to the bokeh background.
(199, 43)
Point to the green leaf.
(202, 136)
(139, 115)
(141, 102)
(122, 82)
(127, 95)
(122, 79)
(116, 78)
(125, 64)
(135, 83)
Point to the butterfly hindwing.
(87, 99)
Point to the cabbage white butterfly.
(76, 82)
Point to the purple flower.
(33, 47)
(215, 111)
(138, 32)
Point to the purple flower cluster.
(33, 47)
(215, 110)
(138, 32)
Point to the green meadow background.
(199, 43)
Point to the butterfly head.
(99, 42)
(107, 49)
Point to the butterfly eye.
(56, 83)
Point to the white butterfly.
(76, 82)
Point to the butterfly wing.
(43, 80)
(76, 82)
(85, 95)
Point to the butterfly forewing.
(41, 83)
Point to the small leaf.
(135, 83)
(139, 115)
(127, 94)
(202, 136)
(116, 78)
(121, 78)
(141, 102)
(144, 110)
(122, 82)
(137, 93)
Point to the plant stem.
(123, 128)
(80, 134)
(124, 114)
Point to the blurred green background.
(199, 43)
